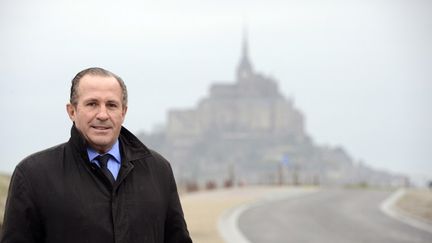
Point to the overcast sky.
(359, 70)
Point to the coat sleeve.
(21, 223)
(175, 225)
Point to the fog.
(358, 70)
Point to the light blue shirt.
(114, 161)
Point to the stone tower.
(244, 68)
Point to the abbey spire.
(244, 68)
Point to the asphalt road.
(328, 216)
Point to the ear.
(124, 111)
(71, 110)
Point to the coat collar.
(131, 147)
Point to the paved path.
(328, 216)
(208, 213)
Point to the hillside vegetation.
(4, 185)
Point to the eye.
(112, 105)
(91, 104)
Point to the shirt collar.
(114, 152)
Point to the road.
(328, 216)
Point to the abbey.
(247, 132)
(251, 106)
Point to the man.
(103, 185)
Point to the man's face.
(99, 113)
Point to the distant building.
(244, 130)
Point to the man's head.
(98, 105)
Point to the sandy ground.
(417, 203)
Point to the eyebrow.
(97, 100)
(90, 100)
(113, 101)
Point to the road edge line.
(228, 226)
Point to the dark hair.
(96, 71)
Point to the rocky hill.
(248, 132)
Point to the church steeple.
(244, 68)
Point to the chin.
(102, 143)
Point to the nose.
(102, 113)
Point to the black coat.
(58, 196)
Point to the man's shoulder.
(157, 161)
(155, 154)
(158, 157)
(42, 158)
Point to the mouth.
(101, 128)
